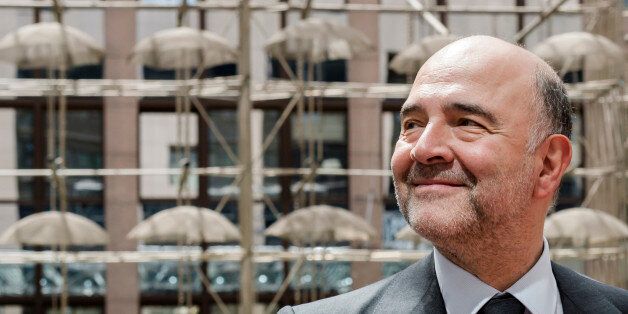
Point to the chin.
(442, 219)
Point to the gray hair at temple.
(554, 111)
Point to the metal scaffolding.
(241, 90)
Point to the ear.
(556, 156)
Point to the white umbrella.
(407, 234)
(53, 228)
(187, 225)
(183, 48)
(410, 60)
(321, 224)
(581, 227)
(318, 40)
(41, 45)
(577, 51)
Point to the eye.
(410, 125)
(469, 123)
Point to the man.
(483, 146)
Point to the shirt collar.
(466, 293)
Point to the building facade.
(136, 132)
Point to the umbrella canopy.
(53, 228)
(584, 227)
(41, 45)
(407, 234)
(318, 40)
(577, 51)
(183, 48)
(410, 60)
(185, 224)
(321, 224)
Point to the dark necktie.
(503, 304)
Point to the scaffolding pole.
(274, 6)
(245, 202)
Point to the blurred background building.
(107, 132)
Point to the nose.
(432, 146)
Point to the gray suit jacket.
(416, 290)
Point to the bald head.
(511, 69)
(487, 54)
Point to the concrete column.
(364, 122)
(121, 197)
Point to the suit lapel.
(432, 301)
(413, 290)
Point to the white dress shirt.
(465, 293)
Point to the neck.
(498, 261)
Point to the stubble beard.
(485, 210)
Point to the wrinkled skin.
(464, 174)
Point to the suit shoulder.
(286, 310)
(617, 296)
(574, 281)
(355, 301)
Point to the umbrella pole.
(310, 140)
(187, 149)
(314, 281)
(64, 288)
(188, 275)
(312, 275)
(206, 285)
(50, 133)
(38, 308)
(301, 118)
(319, 105)
(179, 123)
(180, 296)
(63, 198)
(54, 296)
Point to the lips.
(436, 186)
(438, 182)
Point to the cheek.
(401, 160)
(480, 159)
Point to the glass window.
(326, 71)
(330, 129)
(392, 76)
(219, 70)
(152, 207)
(83, 279)
(84, 150)
(25, 150)
(227, 123)
(163, 277)
(16, 279)
(75, 73)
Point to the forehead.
(494, 84)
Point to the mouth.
(441, 186)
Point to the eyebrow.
(407, 109)
(473, 109)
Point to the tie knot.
(503, 303)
